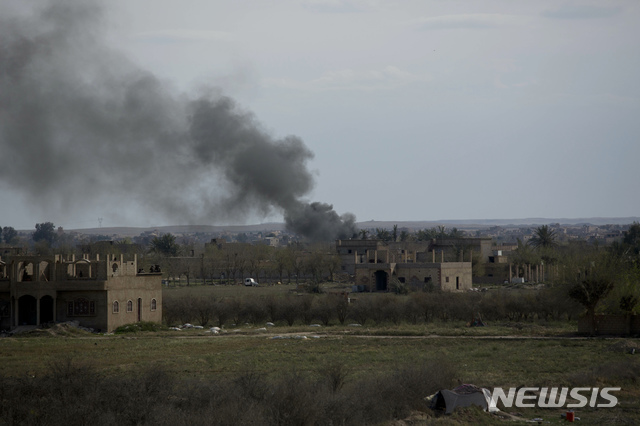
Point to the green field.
(377, 372)
(487, 362)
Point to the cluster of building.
(444, 264)
(447, 264)
(604, 234)
(105, 291)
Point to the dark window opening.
(81, 307)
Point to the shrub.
(222, 312)
(290, 309)
(361, 310)
(333, 375)
(306, 308)
(341, 307)
(254, 311)
(204, 308)
(73, 393)
(323, 310)
(139, 326)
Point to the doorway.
(27, 310)
(381, 280)
(46, 309)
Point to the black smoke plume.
(80, 125)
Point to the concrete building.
(351, 252)
(447, 249)
(446, 276)
(101, 293)
(463, 246)
(375, 263)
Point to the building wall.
(97, 320)
(5, 309)
(448, 276)
(456, 276)
(418, 272)
(482, 246)
(147, 287)
(494, 273)
(81, 290)
(347, 249)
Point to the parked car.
(250, 282)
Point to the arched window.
(154, 304)
(25, 271)
(129, 306)
(114, 267)
(116, 307)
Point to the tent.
(462, 396)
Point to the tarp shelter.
(462, 396)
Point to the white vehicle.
(250, 282)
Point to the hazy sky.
(414, 110)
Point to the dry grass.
(345, 360)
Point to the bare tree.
(589, 277)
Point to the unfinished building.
(100, 293)
(375, 264)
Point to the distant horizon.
(529, 221)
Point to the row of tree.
(332, 309)
(598, 278)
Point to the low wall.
(611, 324)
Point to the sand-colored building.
(374, 264)
(100, 292)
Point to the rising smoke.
(81, 125)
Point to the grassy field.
(368, 358)
(487, 362)
(196, 289)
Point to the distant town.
(600, 230)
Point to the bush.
(290, 309)
(361, 310)
(222, 312)
(139, 326)
(323, 310)
(254, 311)
(496, 305)
(74, 393)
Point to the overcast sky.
(415, 110)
